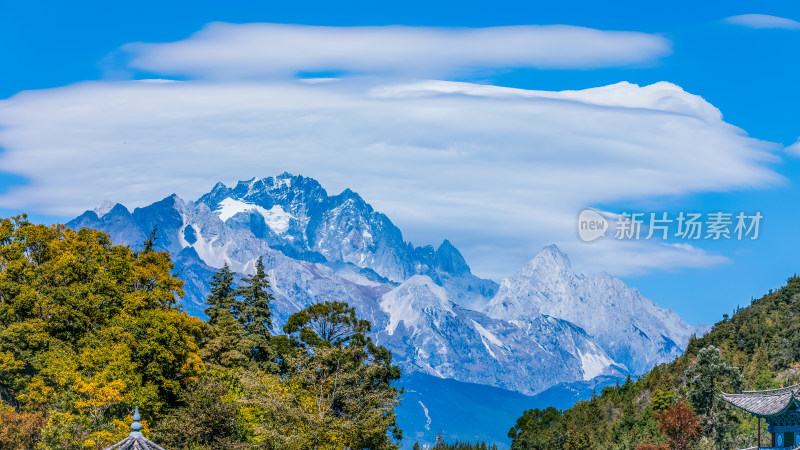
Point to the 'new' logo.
(591, 225)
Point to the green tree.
(221, 299)
(709, 376)
(338, 383)
(253, 312)
(329, 323)
(150, 242)
(253, 309)
(205, 419)
(225, 342)
(538, 429)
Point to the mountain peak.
(119, 210)
(349, 193)
(104, 208)
(554, 251)
(633, 330)
(550, 257)
(449, 259)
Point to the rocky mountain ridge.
(545, 325)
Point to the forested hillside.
(88, 330)
(676, 405)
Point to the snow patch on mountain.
(427, 415)
(486, 335)
(213, 255)
(351, 274)
(594, 364)
(104, 208)
(408, 302)
(275, 217)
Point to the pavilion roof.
(765, 403)
(135, 441)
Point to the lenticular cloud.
(247, 51)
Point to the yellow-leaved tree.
(88, 329)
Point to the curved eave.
(763, 405)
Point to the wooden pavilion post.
(758, 446)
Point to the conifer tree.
(221, 299)
(253, 308)
(253, 313)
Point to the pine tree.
(253, 313)
(253, 309)
(225, 343)
(221, 299)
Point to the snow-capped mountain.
(633, 330)
(543, 326)
(429, 333)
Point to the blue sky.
(748, 72)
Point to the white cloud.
(760, 21)
(638, 257)
(246, 51)
(794, 149)
(500, 171)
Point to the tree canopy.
(88, 330)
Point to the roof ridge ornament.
(135, 440)
(136, 426)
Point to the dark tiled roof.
(134, 443)
(765, 403)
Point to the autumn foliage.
(88, 329)
(680, 425)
